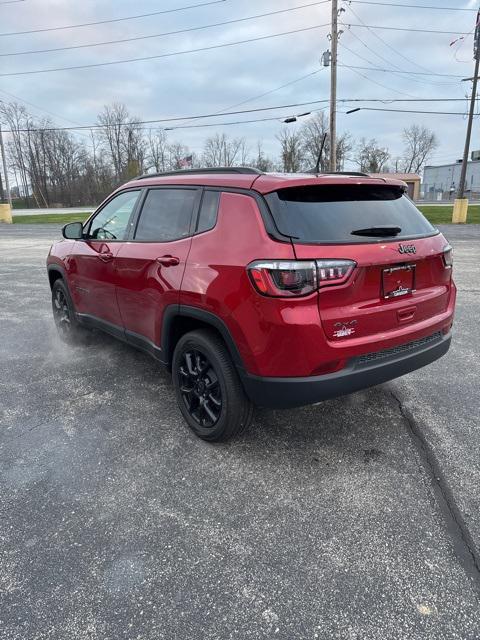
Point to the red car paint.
(129, 285)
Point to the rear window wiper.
(377, 232)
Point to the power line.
(11, 1)
(386, 44)
(388, 62)
(90, 24)
(369, 49)
(391, 100)
(164, 55)
(379, 84)
(433, 113)
(410, 6)
(225, 124)
(180, 118)
(266, 93)
(415, 73)
(409, 29)
(165, 33)
(257, 110)
(50, 113)
(383, 86)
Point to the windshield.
(332, 213)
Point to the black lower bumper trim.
(284, 393)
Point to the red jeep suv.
(259, 289)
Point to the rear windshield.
(331, 213)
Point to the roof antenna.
(319, 159)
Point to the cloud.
(209, 81)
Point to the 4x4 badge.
(407, 248)
(344, 329)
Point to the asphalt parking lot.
(357, 519)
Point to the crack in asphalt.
(463, 543)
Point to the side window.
(166, 215)
(112, 221)
(208, 213)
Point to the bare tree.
(420, 142)
(312, 134)
(220, 151)
(370, 157)
(291, 150)
(123, 140)
(17, 119)
(157, 150)
(177, 153)
(98, 176)
(52, 166)
(261, 161)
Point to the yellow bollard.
(460, 210)
(5, 213)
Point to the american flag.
(186, 163)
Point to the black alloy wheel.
(68, 328)
(61, 312)
(209, 392)
(200, 388)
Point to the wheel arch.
(56, 272)
(181, 319)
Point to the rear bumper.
(360, 373)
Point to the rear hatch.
(399, 277)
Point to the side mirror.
(73, 231)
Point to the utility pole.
(333, 88)
(4, 163)
(460, 207)
(463, 176)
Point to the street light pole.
(333, 88)
(460, 207)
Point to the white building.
(442, 182)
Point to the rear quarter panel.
(216, 280)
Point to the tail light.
(280, 278)
(293, 278)
(448, 256)
(334, 271)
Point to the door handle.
(106, 256)
(168, 260)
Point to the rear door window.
(166, 215)
(331, 213)
(208, 212)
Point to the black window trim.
(88, 222)
(139, 209)
(265, 213)
(196, 232)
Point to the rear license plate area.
(398, 281)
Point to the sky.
(215, 80)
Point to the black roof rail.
(360, 174)
(181, 172)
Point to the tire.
(68, 327)
(208, 389)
